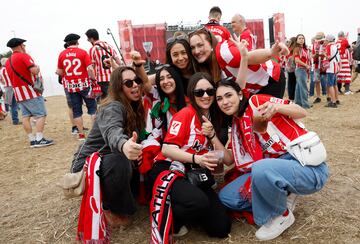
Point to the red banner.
(149, 40)
(279, 27)
(256, 26)
(126, 39)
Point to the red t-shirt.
(22, 63)
(218, 30)
(185, 132)
(249, 37)
(74, 61)
(342, 44)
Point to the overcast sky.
(45, 23)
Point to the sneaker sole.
(44, 145)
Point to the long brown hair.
(135, 113)
(211, 65)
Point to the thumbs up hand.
(207, 128)
(131, 149)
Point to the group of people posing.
(161, 128)
(216, 100)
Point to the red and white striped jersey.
(344, 75)
(185, 132)
(250, 38)
(333, 54)
(4, 76)
(228, 57)
(97, 52)
(74, 61)
(280, 131)
(21, 62)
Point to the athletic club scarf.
(246, 150)
(160, 207)
(92, 224)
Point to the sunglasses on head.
(173, 39)
(162, 66)
(130, 83)
(200, 92)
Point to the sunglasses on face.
(173, 39)
(130, 83)
(200, 92)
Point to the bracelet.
(137, 65)
(193, 158)
(212, 137)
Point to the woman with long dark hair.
(301, 58)
(186, 142)
(168, 98)
(290, 69)
(118, 122)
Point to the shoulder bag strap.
(97, 44)
(20, 76)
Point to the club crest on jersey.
(174, 128)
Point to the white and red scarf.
(246, 149)
(92, 224)
(161, 219)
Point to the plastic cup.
(219, 155)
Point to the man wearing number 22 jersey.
(74, 65)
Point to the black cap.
(14, 42)
(71, 37)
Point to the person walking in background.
(319, 78)
(221, 32)
(302, 66)
(22, 72)
(238, 24)
(100, 51)
(74, 65)
(8, 93)
(344, 75)
(332, 55)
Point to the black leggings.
(191, 204)
(117, 178)
(291, 84)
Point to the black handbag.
(200, 177)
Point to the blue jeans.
(331, 79)
(316, 78)
(272, 180)
(301, 92)
(76, 100)
(312, 84)
(14, 111)
(34, 107)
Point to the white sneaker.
(183, 231)
(348, 93)
(291, 201)
(275, 227)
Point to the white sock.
(31, 137)
(39, 136)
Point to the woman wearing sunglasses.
(168, 98)
(264, 75)
(186, 142)
(119, 120)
